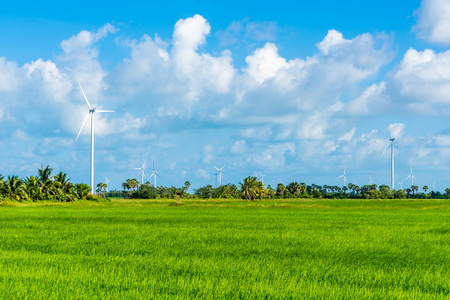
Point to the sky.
(296, 90)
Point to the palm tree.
(33, 188)
(14, 188)
(63, 182)
(280, 189)
(249, 189)
(425, 188)
(45, 179)
(187, 185)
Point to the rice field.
(230, 249)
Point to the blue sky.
(297, 90)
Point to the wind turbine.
(343, 176)
(142, 171)
(220, 174)
(434, 186)
(411, 175)
(261, 176)
(370, 180)
(107, 182)
(154, 174)
(92, 110)
(391, 141)
(401, 185)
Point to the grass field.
(335, 249)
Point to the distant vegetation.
(47, 187)
(44, 186)
(253, 189)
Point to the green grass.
(230, 249)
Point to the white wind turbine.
(434, 186)
(391, 141)
(142, 171)
(261, 176)
(92, 110)
(107, 183)
(411, 175)
(220, 174)
(401, 185)
(154, 174)
(343, 176)
(370, 180)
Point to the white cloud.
(238, 147)
(372, 100)
(332, 38)
(9, 75)
(348, 136)
(422, 81)
(396, 130)
(274, 156)
(201, 71)
(264, 63)
(202, 174)
(433, 21)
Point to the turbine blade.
(143, 165)
(103, 111)
(387, 145)
(216, 168)
(85, 98)
(84, 122)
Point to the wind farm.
(217, 150)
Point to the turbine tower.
(391, 141)
(220, 174)
(154, 174)
(411, 175)
(343, 176)
(92, 110)
(107, 184)
(142, 171)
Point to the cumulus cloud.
(422, 81)
(201, 70)
(433, 21)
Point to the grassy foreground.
(338, 249)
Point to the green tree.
(249, 188)
(187, 185)
(33, 188)
(82, 190)
(44, 176)
(14, 188)
(280, 190)
(101, 187)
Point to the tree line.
(251, 188)
(44, 186)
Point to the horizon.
(298, 91)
